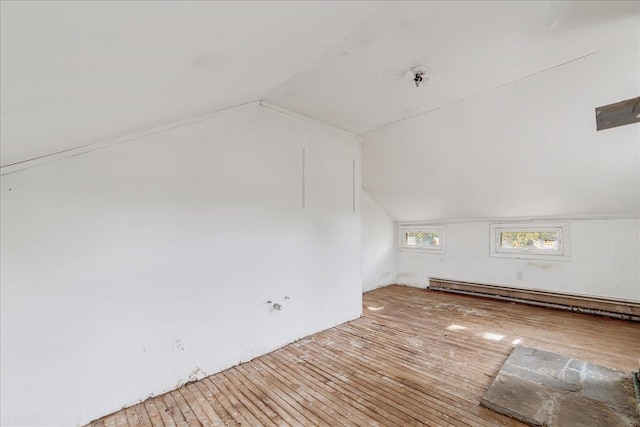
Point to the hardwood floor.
(416, 357)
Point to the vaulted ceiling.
(467, 48)
(76, 73)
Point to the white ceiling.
(76, 73)
(529, 149)
(466, 47)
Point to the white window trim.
(439, 250)
(563, 254)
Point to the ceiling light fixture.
(417, 74)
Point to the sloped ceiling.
(467, 48)
(526, 150)
(77, 73)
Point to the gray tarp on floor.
(541, 388)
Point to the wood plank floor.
(416, 357)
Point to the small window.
(422, 238)
(531, 241)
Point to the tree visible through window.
(533, 240)
(545, 240)
(422, 239)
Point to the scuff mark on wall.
(195, 375)
(542, 265)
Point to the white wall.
(604, 260)
(111, 256)
(378, 248)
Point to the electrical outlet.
(519, 275)
(178, 345)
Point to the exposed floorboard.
(416, 357)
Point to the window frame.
(403, 229)
(562, 228)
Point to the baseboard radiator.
(620, 309)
